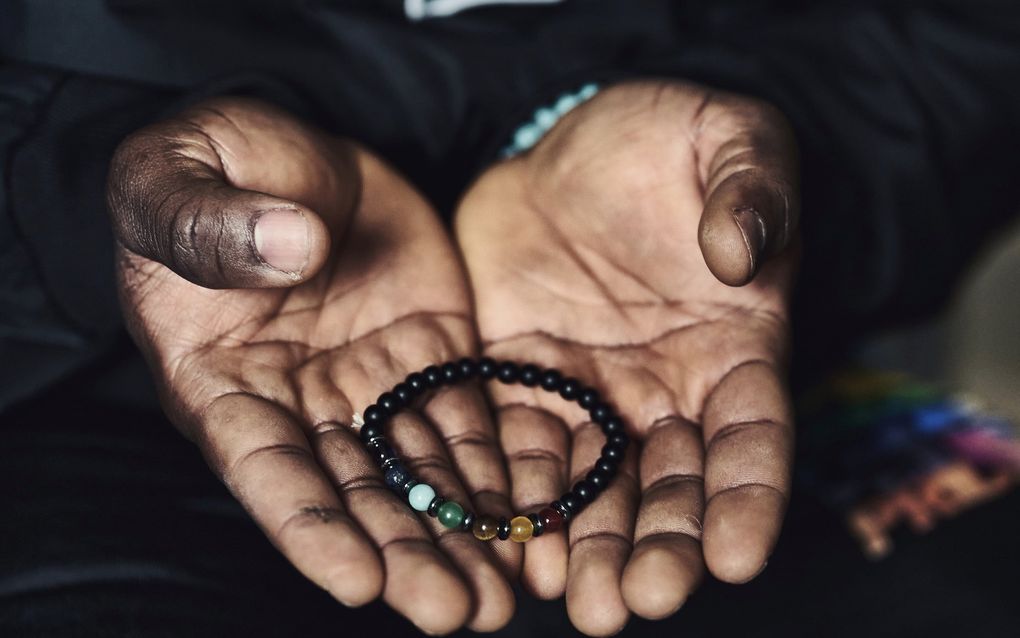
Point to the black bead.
(530, 375)
(369, 432)
(562, 509)
(613, 425)
(551, 380)
(451, 373)
(600, 413)
(537, 523)
(612, 452)
(433, 509)
(396, 476)
(584, 491)
(503, 531)
(588, 398)
(375, 415)
(403, 393)
(416, 381)
(411, 482)
(608, 466)
(570, 388)
(381, 451)
(598, 479)
(433, 376)
(572, 502)
(468, 522)
(468, 367)
(389, 402)
(508, 372)
(619, 439)
(486, 368)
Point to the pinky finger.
(748, 432)
(265, 460)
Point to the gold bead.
(521, 529)
(485, 528)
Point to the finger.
(666, 565)
(461, 417)
(601, 538)
(536, 444)
(425, 455)
(193, 194)
(752, 198)
(748, 435)
(263, 456)
(421, 582)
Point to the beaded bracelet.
(544, 118)
(422, 496)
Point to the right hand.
(278, 280)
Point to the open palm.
(266, 379)
(589, 254)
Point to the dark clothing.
(908, 117)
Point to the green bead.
(450, 514)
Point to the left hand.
(594, 253)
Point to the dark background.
(908, 116)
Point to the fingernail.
(281, 239)
(752, 227)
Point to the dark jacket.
(907, 113)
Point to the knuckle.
(197, 235)
(312, 515)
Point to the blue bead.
(546, 117)
(397, 476)
(527, 136)
(566, 103)
(420, 496)
(588, 91)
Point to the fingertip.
(730, 245)
(594, 602)
(741, 528)
(425, 588)
(319, 244)
(496, 608)
(292, 242)
(356, 583)
(661, 575)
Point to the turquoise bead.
(421, 496)
(450, 514)
(566, 104)
(588, 91)
(546, 117)
(527, 135)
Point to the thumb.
(752, 200)
(172, 205)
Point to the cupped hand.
(278, 280)
(595, 253)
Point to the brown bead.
(521, 529)
(553, 520)
(485, 528)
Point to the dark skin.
(588, 253)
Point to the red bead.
(553, 520)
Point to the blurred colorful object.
(881, 448)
